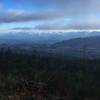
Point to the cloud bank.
(52, 14)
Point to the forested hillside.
(31, 77)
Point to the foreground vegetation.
(31, 77)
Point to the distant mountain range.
(88, 47)
(66, 45)
(88, 42)
(42, 38)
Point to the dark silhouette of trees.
(31, 77)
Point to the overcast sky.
(50, 14)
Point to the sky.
(50, 14)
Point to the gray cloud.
(84, 26)
(71, 26)
(56, 10)
(22, 16)
(89, 22)
(68, 6)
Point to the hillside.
(89, 42)
(79, 47)
(73, 48)
(24, 77)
